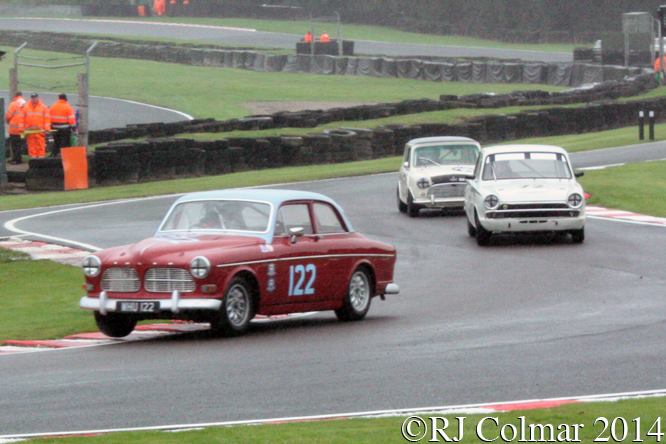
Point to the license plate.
(138, 306)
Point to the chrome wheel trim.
(237, 305)
(359, 291)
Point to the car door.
(337, 245)
(298, 270)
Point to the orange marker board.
(75, 165)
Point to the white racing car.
(434, 173)
(519, 188)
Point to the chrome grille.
(445, 191)
(450, 178)
(167, 280)
(122, 280)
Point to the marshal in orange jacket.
(13, 116)
(36, 116)
(62, 114)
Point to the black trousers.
(16, 149)
(61, 139)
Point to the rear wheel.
(114, 325)
(402, 207)
(358, 299)
(237, 309)
(482, 235)
(412, 208)
(578, 236)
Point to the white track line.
(148, 105)
(140, 22)
(470, 408)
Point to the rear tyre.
(402, 207)
(578, 236)
(412, 208)
(358, 299)
(115, 325)
(237, 309)
(482, 235)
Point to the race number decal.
(300, 275)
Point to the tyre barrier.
(169, 157)
(313, 118)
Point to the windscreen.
(437, 155)
(526, 166)
(219, 215)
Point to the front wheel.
(482, 235)
(402, 207)
(578, 236)
(114, 325)
(412, 208)
(359, 296)
(237, 309)
(471, 230)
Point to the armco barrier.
(169, 157)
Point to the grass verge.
(388, 430)
(40, 308)
(364, 32)
(222, 93)
(624, 187)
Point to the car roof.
(441, 139)
(497, 149)
(272, 196)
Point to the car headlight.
(491, 202)
(91, 266)
(423, 183)
(575, 200)
(200, 267)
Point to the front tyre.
(359, 296)
(471, 230)
(412, 208)
(402, 207)
(578, 236)
(237, 309)
(115, 325)
(482, 235)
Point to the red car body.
(286, 269)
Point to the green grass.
(364, 32)
(601, 139)
(45, 307)
(223, 93)
(8, 256)
(638, 187)
(387, 430)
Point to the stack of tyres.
(45, 175)
(317, 149)
(383, 143)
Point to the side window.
(291, 216)
(328, 221)
(406, 156)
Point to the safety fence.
(169, 158)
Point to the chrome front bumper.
(105, 305)
(533, 224)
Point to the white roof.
(441, 139)
(522, 148)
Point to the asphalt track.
(247, 37)
(524, 318)
(107, 112)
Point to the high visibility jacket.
(62, 114)
(308, 38)
(657, 63)
(35, 116)
(324, 38)
(13, 116)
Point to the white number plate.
(138, 306)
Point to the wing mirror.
(579, 173)
(406, 164)
(295, 233)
